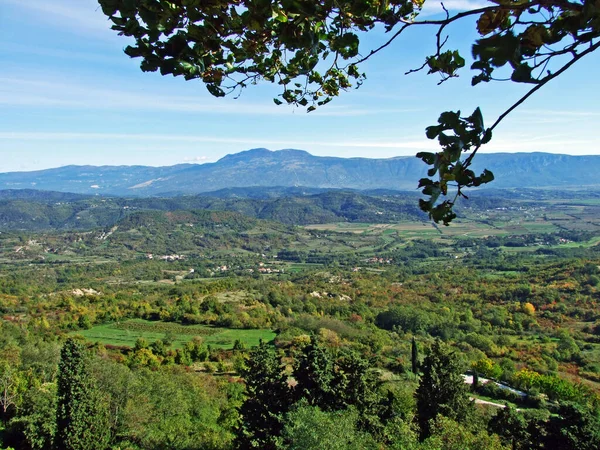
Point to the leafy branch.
(469, 134)
(312, 50)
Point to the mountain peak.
(265, 153)
(261, 167)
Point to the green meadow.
(127, 332)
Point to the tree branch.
(542, 83)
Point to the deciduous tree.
(312, 50)
(511, 426)
(12, 386)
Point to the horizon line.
(203, 161)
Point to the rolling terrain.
(297, 168)
(33, 210)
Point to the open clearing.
(412, 230)
(126, 333)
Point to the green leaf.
(486, 176)
(427, 157)
(425, 182)
(432, 131)
(215, 90)
(522, 74)
(477, 119)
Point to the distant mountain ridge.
(289, 168)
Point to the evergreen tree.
(338, 383)
(314, 374)
(356, 386)
(511, 426)
(81, 420)
(414, 356)
(268, 399)
(442, 389)
(475, 380)
(576, 427)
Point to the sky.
(69, 95)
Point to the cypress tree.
(415, 356)
(268, 399)
(80, 414)
(442, 389)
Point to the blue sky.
(69, 95)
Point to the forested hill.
(262, 167)
(36, 210)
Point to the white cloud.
(83, 17)
(17, 91)
(33, 92)
(515, 143)
(93, 55)
(543, 116)
(196, 159)
(560, 112)
(432, 7)
(152, 138)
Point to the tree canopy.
(442, 390)
(81, 421)
(312, 50)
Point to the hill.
(297, 168)
(23, 211)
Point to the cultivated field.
(126, 333)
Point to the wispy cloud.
(432, 7)
(48, 93)
(197, 159)
(516, 143)
(152, 138)
(83, 17)
(560, 112)
(110, 57)
(545, 116)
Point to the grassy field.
(126, 333)
(548, 218)
(421, 230)
(594, 241)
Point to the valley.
(511, 287)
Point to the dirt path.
(485, 402)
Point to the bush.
(496, 392)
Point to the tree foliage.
(511, 426)
(268, 399)
(310, 428)
(80, 415)
(414, 356)
(12, 386)
(313, 51)
(442, 390)
(576, 426)
(315, 378)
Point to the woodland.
(205, 329)
(172, 327)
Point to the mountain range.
(298, 168)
